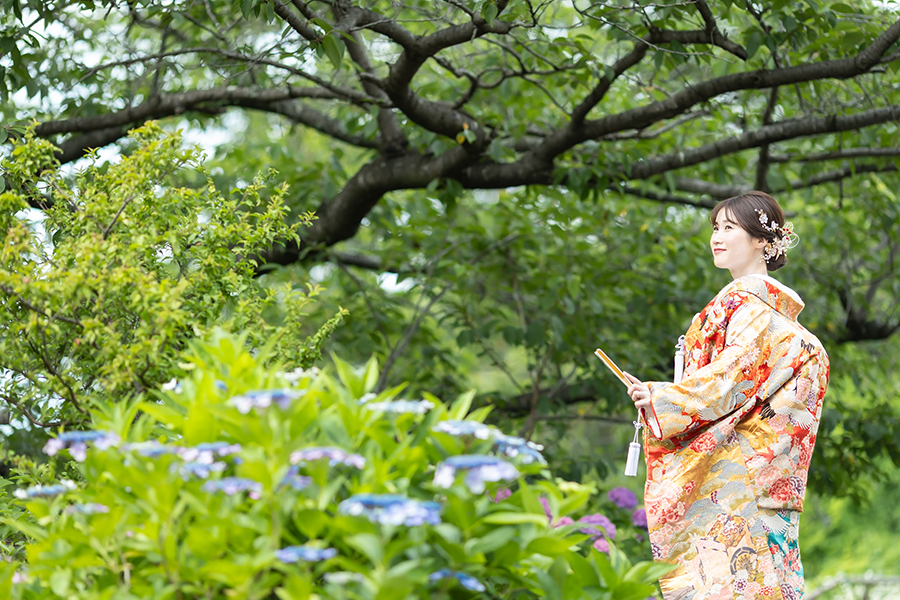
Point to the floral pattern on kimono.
(726, 477)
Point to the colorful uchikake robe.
(726, 475)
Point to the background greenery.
(484, 261)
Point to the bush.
(127, 266)
(314, 487)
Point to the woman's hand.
(639, 392)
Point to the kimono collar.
(772, 292)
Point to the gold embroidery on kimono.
(727, 476)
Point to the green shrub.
(214, 491)
(127, 266)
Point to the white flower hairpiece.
(785, 238)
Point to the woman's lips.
(718, 250)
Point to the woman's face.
(733, 248)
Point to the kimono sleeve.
(725, 385)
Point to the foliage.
(115, 536)
(99, 298)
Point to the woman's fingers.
(631, 377)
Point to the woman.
(726, 475)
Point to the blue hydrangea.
(335, 456)
(152, 449)
(295, 481)
(292, 554)
(87, 509)
(465, 428)
(207, 452)
(198, 469)
(478, 468)
(45, 491)
(467, 581)
(392, 509)
(513, 447)
(233, 485)
(77, 443)
(412, 407)
(263, 399)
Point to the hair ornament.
(785, 238)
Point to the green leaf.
(60, 581)
(369, 545)
(514, 518)
(490, 13)
(334, 50)
(461, 405)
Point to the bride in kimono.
(728, 447)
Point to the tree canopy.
(534, 174)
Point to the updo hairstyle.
(742, 210)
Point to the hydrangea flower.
(206, 453)
(461, 428)
(563, 521)
(295, 481)
(19, 576)
(335, 456)
(45, 491)
(77, 443)
(546, 504)
(366, 397)
(513, 446)
(607, 527)
(263, 399)
(392, 509)
(639, 518)
(233, 485)
(87, 509)
(151, 449)
(601, 544)
(467, 581)
(198, 469)
(479, 469)
(297, 374)
(292, 554)
(622, 497)
(502, 494)
(412, 407)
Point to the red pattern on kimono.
(727, 474)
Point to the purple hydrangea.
(606, 527)
(639, 518)
(563, 521)
(502, 494)
(392, 509)
(292, 554)
(601, 544)
(335, 456)
(478, 468)
(465, 580)
(623, 498)
(546, 504)
(77, 443)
